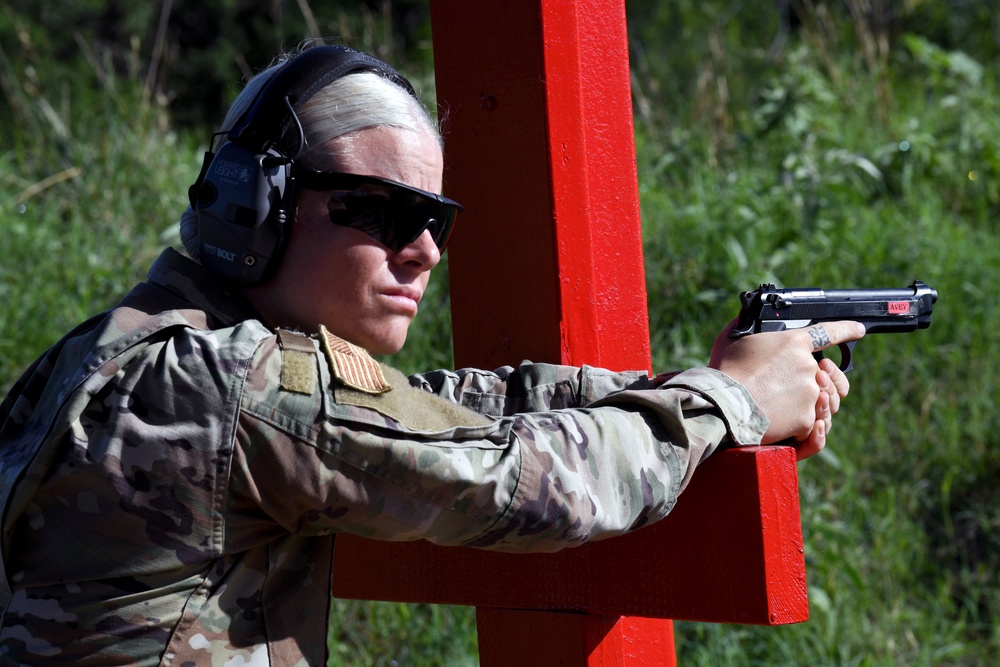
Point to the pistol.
(769, 308)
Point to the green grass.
(828, 170)
(900, 513)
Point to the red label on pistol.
(899, 307)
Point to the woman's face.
(340, 277)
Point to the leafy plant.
(771, 147)
(828, 187)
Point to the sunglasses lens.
(438, 220)
(393, 216)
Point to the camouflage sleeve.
(419, 467)
(529, 388)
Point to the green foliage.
(88, 176)
(384, 634)
(189, 53)
(829, 146)
(844, 174)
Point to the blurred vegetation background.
(840, 143)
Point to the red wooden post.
(539, 140)
(546, 264)
(554, 92)
(544, 638)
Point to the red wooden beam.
(731, 552)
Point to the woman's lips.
(404, 297)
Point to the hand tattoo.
(820, 338)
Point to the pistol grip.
(846, 355)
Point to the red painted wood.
(562, 288)
(635, 642)
(509, 637)
(594, 184)
(730, 552)
(546, 264)
(505, 286)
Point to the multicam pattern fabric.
(172, 475)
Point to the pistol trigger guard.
(846, 355)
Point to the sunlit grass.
(900, 513)
(816, 183)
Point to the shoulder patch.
(352, 365)
(298, 362)
(414, 408)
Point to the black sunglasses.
(392, 213)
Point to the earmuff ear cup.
(244, 206)
(245, 194)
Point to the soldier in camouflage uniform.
(174, 471)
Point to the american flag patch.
(352, 365)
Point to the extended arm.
(531, 387)
(532, 481)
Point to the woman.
(200, 444)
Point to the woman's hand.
(798, 394)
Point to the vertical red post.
(508, 637)
(547, 264)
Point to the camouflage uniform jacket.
(172, 473)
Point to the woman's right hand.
(798, 394)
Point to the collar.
(192, 282)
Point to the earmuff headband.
(267, 122)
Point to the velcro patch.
(352, 365)
(414, 408)
(298, 362)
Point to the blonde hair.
(349, 104)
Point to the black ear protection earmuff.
(245, 194)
